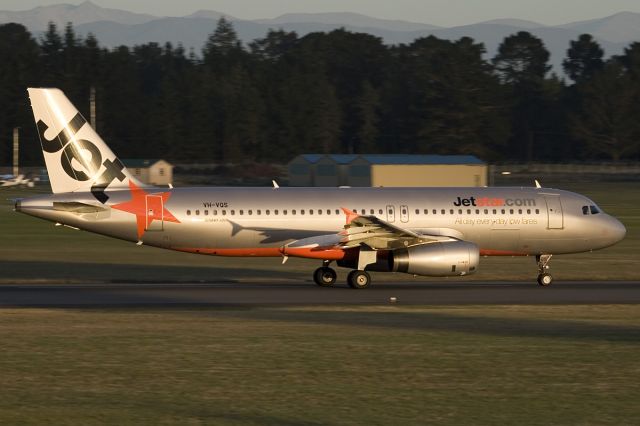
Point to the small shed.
(150, 171)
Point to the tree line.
(336, 92)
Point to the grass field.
(33, 250)
(322, 365)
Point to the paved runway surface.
(266, 293)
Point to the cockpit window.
(590, 210)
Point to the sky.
(437, 12)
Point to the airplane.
(421, 231)
(7, 181)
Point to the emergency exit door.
(391, 214)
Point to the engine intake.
(441, 259)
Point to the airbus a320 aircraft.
(424, 231)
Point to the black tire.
(545, 280)
(325, 277)
(359, 279)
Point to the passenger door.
(554, 212)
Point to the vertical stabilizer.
(77, 159)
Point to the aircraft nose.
(616, 230)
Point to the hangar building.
(387, 170)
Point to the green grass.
(32, 250)
(362, 365)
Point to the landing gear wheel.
(358, 279)
(545, 279)
(324, 277)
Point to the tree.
(274, 46)
(584, 59)
(522, 59)
(607, 119)
(455, 101)
(521, 63)
(222, 49)
(20, 69)
(369, 118)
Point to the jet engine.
(440, 259)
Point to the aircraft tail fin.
(77, 159)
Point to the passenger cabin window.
(188, 212)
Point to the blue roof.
(312, 158)
(421, 159)
(338, 158)
(343, 158)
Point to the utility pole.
(16, 152)
(92, 107)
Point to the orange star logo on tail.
(147, 207)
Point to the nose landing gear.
(544, 278)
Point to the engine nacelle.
(442, 259)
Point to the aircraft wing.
(379, 234)
(370, 231)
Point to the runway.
(296, 293)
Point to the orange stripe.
(304, 252)
(308, 253)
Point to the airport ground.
(569, 362)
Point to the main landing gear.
(544, 278)
(326, 277)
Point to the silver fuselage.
(259, 221)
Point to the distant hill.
(115, 27)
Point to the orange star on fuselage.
(139, 206)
